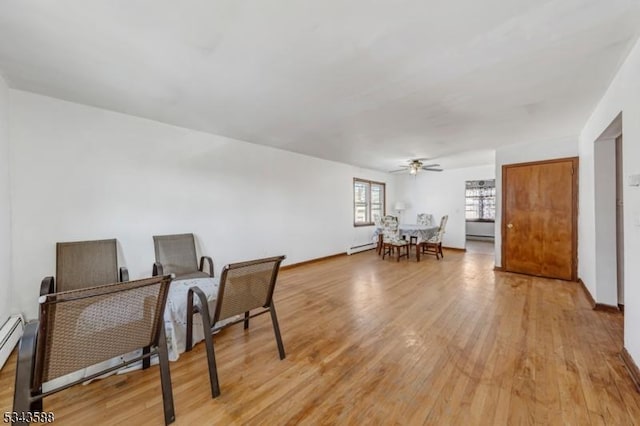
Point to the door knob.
(510, 225)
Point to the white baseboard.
(358, 249)
(10, 334)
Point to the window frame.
(368, 202)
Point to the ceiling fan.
(416, 165)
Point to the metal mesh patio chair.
(82, 264)
(244, 287)
(81, 328)
(176, 254)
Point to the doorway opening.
(609, 216)
(480, 216)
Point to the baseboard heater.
(10, 333)
(358, 249)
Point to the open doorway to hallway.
(608, 154)
(480, 215)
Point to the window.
(368, 201)
(480, 200)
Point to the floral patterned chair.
(377, 236)
(434, 244)
(391, 241)
(425, 219)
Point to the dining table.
(408, 230)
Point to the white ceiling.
(364, 82)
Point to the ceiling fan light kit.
(416, 165)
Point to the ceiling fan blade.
(430, 165)
(431, 169)
(419, 159)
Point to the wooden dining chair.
(425, 219)
(434, 244)
(391, 240)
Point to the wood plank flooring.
(379, 342)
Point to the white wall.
(524, 153)
(82, 173)
(622, 95)
(5, 205)
(440, 194)
(480, 229)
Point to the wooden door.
(539, 218)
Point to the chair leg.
(24, 371)
(246, 320)
(189, 337)
(440, 250)
(211, 359)
(165, 378)
(146, 362)
(276, 330)
(36, 406)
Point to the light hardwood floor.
(380, 342)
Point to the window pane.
(361, 202)
(368, 201)
(480, 200)
(360, 194)
(377, 200)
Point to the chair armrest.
(27, 348)
(203, 309)
(124, 274)
(204, 304)
(208, 259)
(157, 269)
(47, 286)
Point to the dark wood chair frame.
(431, 248)
(210, 325)
(390, 248)
(435, 249)
(28, 396)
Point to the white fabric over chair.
(425, 219)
